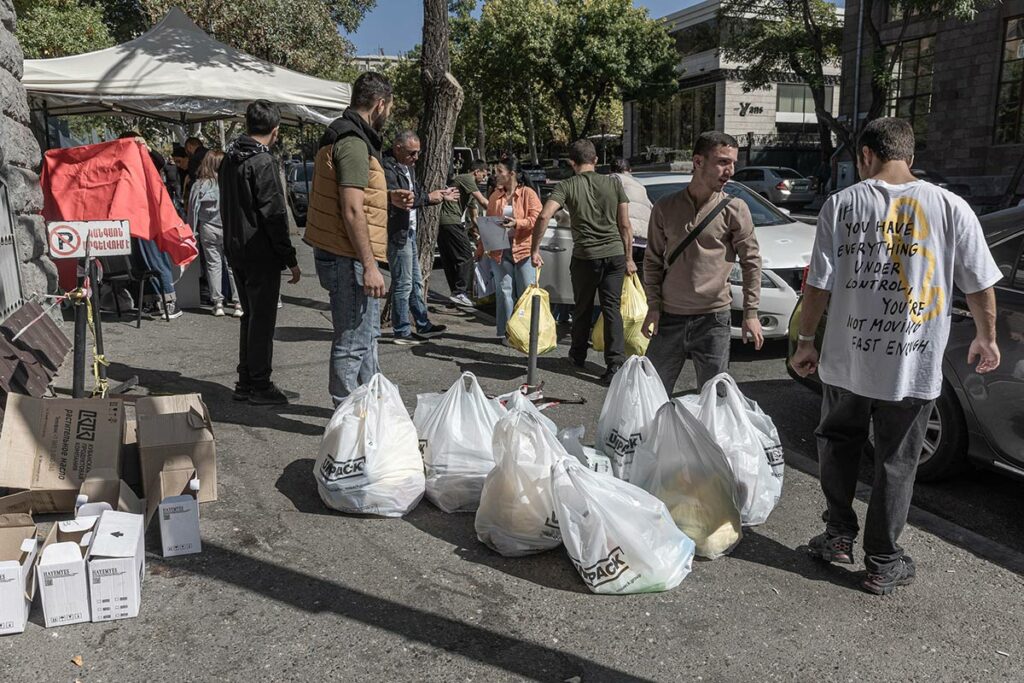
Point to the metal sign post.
(531, 373)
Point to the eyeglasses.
(412, 153)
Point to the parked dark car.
(536, 173)
(978, 418)
(300, 180)
(559, 170)
(961, 189)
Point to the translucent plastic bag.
(633, 399)
(517, 509)
(516, 400)
(369, 462)
(681, 464)
(456, 429)
(518, 327)
(620, 538)
(572, 440)
(634, 312)
(728, 418)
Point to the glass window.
(672, 125)
(1009, 259)
(797, 98)
(910, 91)
(762, 211)
(1008, 128)
(788, 174)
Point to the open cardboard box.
(50, 445)
(63, 582)
(175, 502)
(18, 550)
(173, 427)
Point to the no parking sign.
(68, 239)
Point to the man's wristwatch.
(805, 337)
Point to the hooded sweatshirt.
(253, 207)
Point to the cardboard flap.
(117, 535)
(199, 420)
(10, 521)
(59, 553)
(28, 545)
(104, 486)
(16, 502)
(19, 441)
(172, 482)
(17, 537)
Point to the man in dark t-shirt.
(602, 252)
(453, 239)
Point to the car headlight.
(736, 278)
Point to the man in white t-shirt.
(888, 252)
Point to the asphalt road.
(285, 589)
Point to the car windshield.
(763, 213)
(788, 174)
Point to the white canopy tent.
(178, 73)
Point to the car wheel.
(945, 439)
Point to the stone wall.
(19, 163)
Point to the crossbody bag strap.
(695, 233)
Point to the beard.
(379, 122)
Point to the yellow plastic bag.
(634, 311)
(518, 328)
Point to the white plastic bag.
(516, 400)
(620, 538)
(456, 430)
(681, 464)
(727, 418)
(516, 515)
(572, 441)
(369, 462)
(633, 399)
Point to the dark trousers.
(259, 286)
(602, 277)
(703, 338)
(456, 257)
(899, 436)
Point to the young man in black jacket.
(403, 256)
(253, 210)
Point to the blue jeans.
(356, 320)
(157, 260)
(510, 281)
(407, 292)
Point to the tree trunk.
(532, 127)
(442, 101)
(481, 131)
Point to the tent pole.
(305, 156)
(46, 125)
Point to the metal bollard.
(531, 374)
(78, 374)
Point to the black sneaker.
(271, 396)
(430, 331)
(576, 362)
(609, 374)
(172, 311)
(241, 393)
(832, 548)
(900, 574)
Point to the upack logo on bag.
(605, 570)
(334, 471)
(423, 447)
(622, 445)
(551, 529)
(775, 458)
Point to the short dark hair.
(194, 141)
(621, 165)
(178, 151)
(583, 152)
(478, 165)
(890, 138)
(262, 117)
(129, 134)
(709, 139)
(405, 137)
(369, 88)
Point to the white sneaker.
(218, 310)
(461, 300)
(238, 311)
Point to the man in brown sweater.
(689, 300)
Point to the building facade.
(712, 97)
(364, 63)
(961, 85)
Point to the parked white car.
(785, 252)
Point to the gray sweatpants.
(899, 436)
(212, 239)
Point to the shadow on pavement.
(306, 302)
(303, 334)
(218, 399)
(297, 484)
(762, 550)
(317, 596)
(746, 353)
(457, 529)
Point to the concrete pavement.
(285, 589)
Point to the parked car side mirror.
(784, 210)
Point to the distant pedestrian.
(602, 252)
(453, 237)
(347, 225)
(513, 271)
(196, 152)
(407, 294)
(205, 219)
(255, 219)
(689, 297)
(887, 256)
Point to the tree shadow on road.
(551, 569)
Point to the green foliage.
(57, 28)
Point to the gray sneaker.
(461, 300)
(832, 548)
(902, 573)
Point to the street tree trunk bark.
(481, 131)
(442, 101)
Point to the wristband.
(805, 337)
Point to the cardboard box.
(63, 581)
(116, 565)
(174, 502)
(18, 550)
(172, 427)
(104, 486)
(49, 447)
